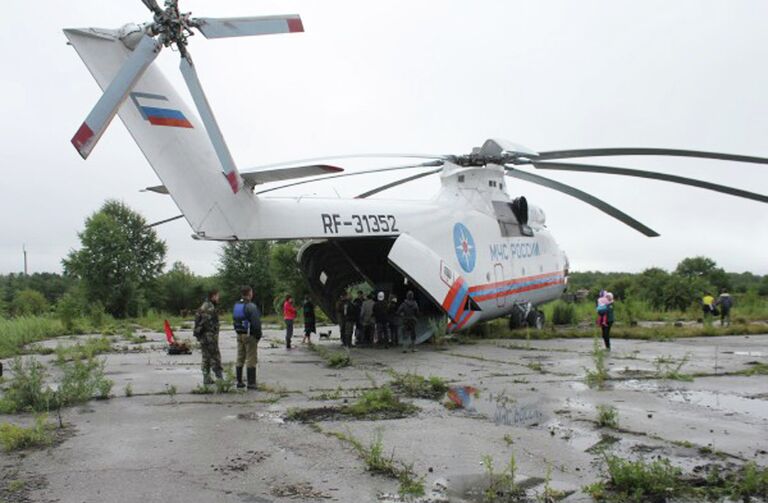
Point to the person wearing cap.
(381, 318)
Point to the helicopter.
(470, 254)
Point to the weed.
(377, 401)
(203, 389)
(501, 485)
(227, 383)
(16, 485)
(508, 439)
(330, 395)
(637, 481)
(758, 369)
(170, 390)
(669, 368)
(536, 366)
(335, 359)
(548, 494)
(87, 350)
(416, 386)
(682, 443)
(128, 390)
(377, 462)
(607, 416)
(752, 481)
(597, 377)
(439, 328)
(13, 437)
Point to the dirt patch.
(16, 485)
(302, 490)
(241, 463)
(316, 414)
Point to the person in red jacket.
(289, 314)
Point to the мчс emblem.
(464, 245)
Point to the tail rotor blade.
(114, 95)
(211, 126)
(608, 152)
(582, 196)
(591, 168)
(248, 26)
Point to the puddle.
(270, 417)
(722, 401)
(749, 353)
(504, 410)
(578, 438)
(637, 385)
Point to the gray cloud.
(435, 76)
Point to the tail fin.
(170, 135)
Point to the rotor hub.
(173, 27)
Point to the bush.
(29, 303)
(27, 390)
(563, 313)
(14, 437)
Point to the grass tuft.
(607, 416)
(14, 437)
(417, 386)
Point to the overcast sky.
(418, 76)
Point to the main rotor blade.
(348, 156)
(355, 173)
(583, 196)
(407, 179)
(114, 95)
(211, 126)
(152, 5)
(591, 168)
(606, 152)
(248, 26)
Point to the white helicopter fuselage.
(464, 251)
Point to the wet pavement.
(531, 402)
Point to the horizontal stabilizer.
(254, 178)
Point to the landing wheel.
(516, 319)
(536, 319)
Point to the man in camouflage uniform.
(207, 333)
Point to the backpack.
(239, 319)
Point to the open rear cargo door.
(434, 277)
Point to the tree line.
(120, 270)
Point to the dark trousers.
(382, 333)
(606, 329)
(288, 333)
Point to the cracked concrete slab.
(532, 403)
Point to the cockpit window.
(509, 224)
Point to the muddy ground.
(532, 403)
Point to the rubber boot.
(239, 374)
(251, 371)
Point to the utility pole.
(24, 249)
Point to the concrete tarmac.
(532, 403)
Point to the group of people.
(376, 320)
(373, 322)
(720, 306)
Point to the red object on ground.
(169, 333)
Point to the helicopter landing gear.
(525, 315)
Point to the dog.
(325, 335)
